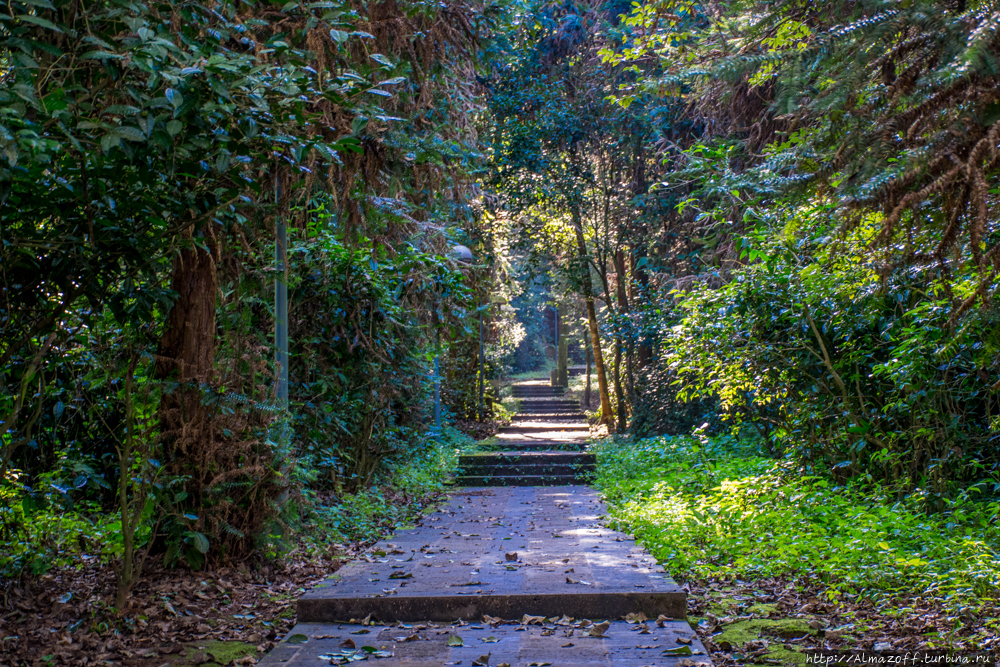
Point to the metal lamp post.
(482, 366)
(281, 302)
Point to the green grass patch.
(714, 508)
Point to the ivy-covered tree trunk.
(607, 417)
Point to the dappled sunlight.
(769, 521)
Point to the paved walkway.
(526, 562)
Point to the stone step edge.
(508, 469)
(614, 605)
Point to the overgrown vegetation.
(718, 508)
(150, 154)
(771, 219)
(786, 214)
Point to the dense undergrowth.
(47, 531)
(717, 508)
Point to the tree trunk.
(623, 310)
(645, 352)
(187, 356)
(607, 416)
(562, 352)
(619, 393)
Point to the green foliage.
(39, 532)
(849, 370)
(884, 107)
(137, 140)
(712, 508)
(396, 500)
(124, 125)
(361, 391)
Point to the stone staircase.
(543, 446)
(535, 573)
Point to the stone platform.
(504, 552)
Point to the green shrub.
(848, 369)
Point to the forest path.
(528, 562)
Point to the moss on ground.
(213, 653)
(723, 606)
(736, 634)
(762, 609)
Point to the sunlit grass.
(711, 508)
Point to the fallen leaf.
(597, 630)
(678, 650)
(296, 639)
(348, 643)
(455, 640)
(482, 661)
(489, 640)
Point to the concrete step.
(552, 416)
(526, 467)
(522, 480)
(560, 414)
(546, 428)
(455, 565)
(552, 446)
(556, 458)
(426, 644)
(531, 470)
(537, 391)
